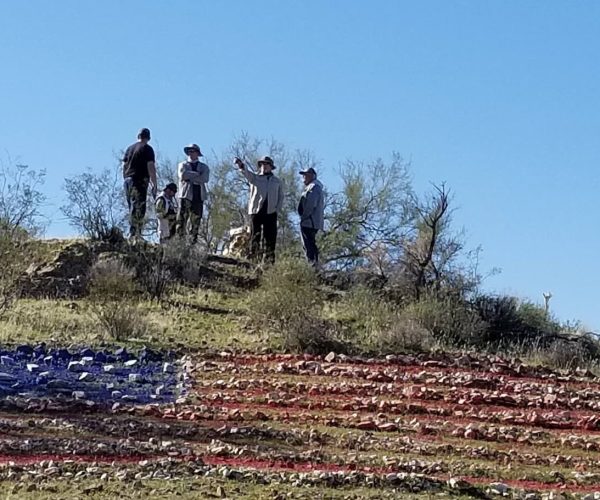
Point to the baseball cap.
(308, 171)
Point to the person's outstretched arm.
(250, 176)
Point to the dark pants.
(189, 218)
(309, 242)
(263, 237)
(136, 191)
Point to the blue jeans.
(309, 242)
(136, 191)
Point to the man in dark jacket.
(139, 171)
(310, 210)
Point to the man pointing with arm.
(266, 201)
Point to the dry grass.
(191, 319)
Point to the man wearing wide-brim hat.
(266, 201)
(193, 178)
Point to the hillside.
(193, 394)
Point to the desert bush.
(289, 303)
(13, 266)
(183, 260)
(403, 335)
(536, 321)
(21, 200)
(120, 320)
(450, 320)
(111, 279)
(153, 275)
(363, 309)
(95, 204)
(378, 325)
(563, 353)
(500, 314)
(156, 279)
(112, 300)
(510, 320)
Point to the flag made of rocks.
(100, 376)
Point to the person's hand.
(239, 163)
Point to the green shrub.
(500, 313)
(16, 254)
(363, 309)
(120, 320)
(113, 302)
(379, 326)
(183, 260)
(9, 278)
(401, 336)
(536, 321)
(450, 321)
(111, 279)
(289, 303)
(152, 272)
(510, 321)
(564, 352)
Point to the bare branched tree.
(14, 264)
(95, 203)
(21, 199)
(432, 215)
(434, 255)
(21, 202)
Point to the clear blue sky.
(499, 98)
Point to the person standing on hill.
(166, 210)
(139, 171)
(193, 178)
(310, 210)
(266, 201)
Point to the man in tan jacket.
(266, 200)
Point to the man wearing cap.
(266, 200)
(139, 170)
(193, 177)
(310, 210)
(166, 210)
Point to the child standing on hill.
(166, 210)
